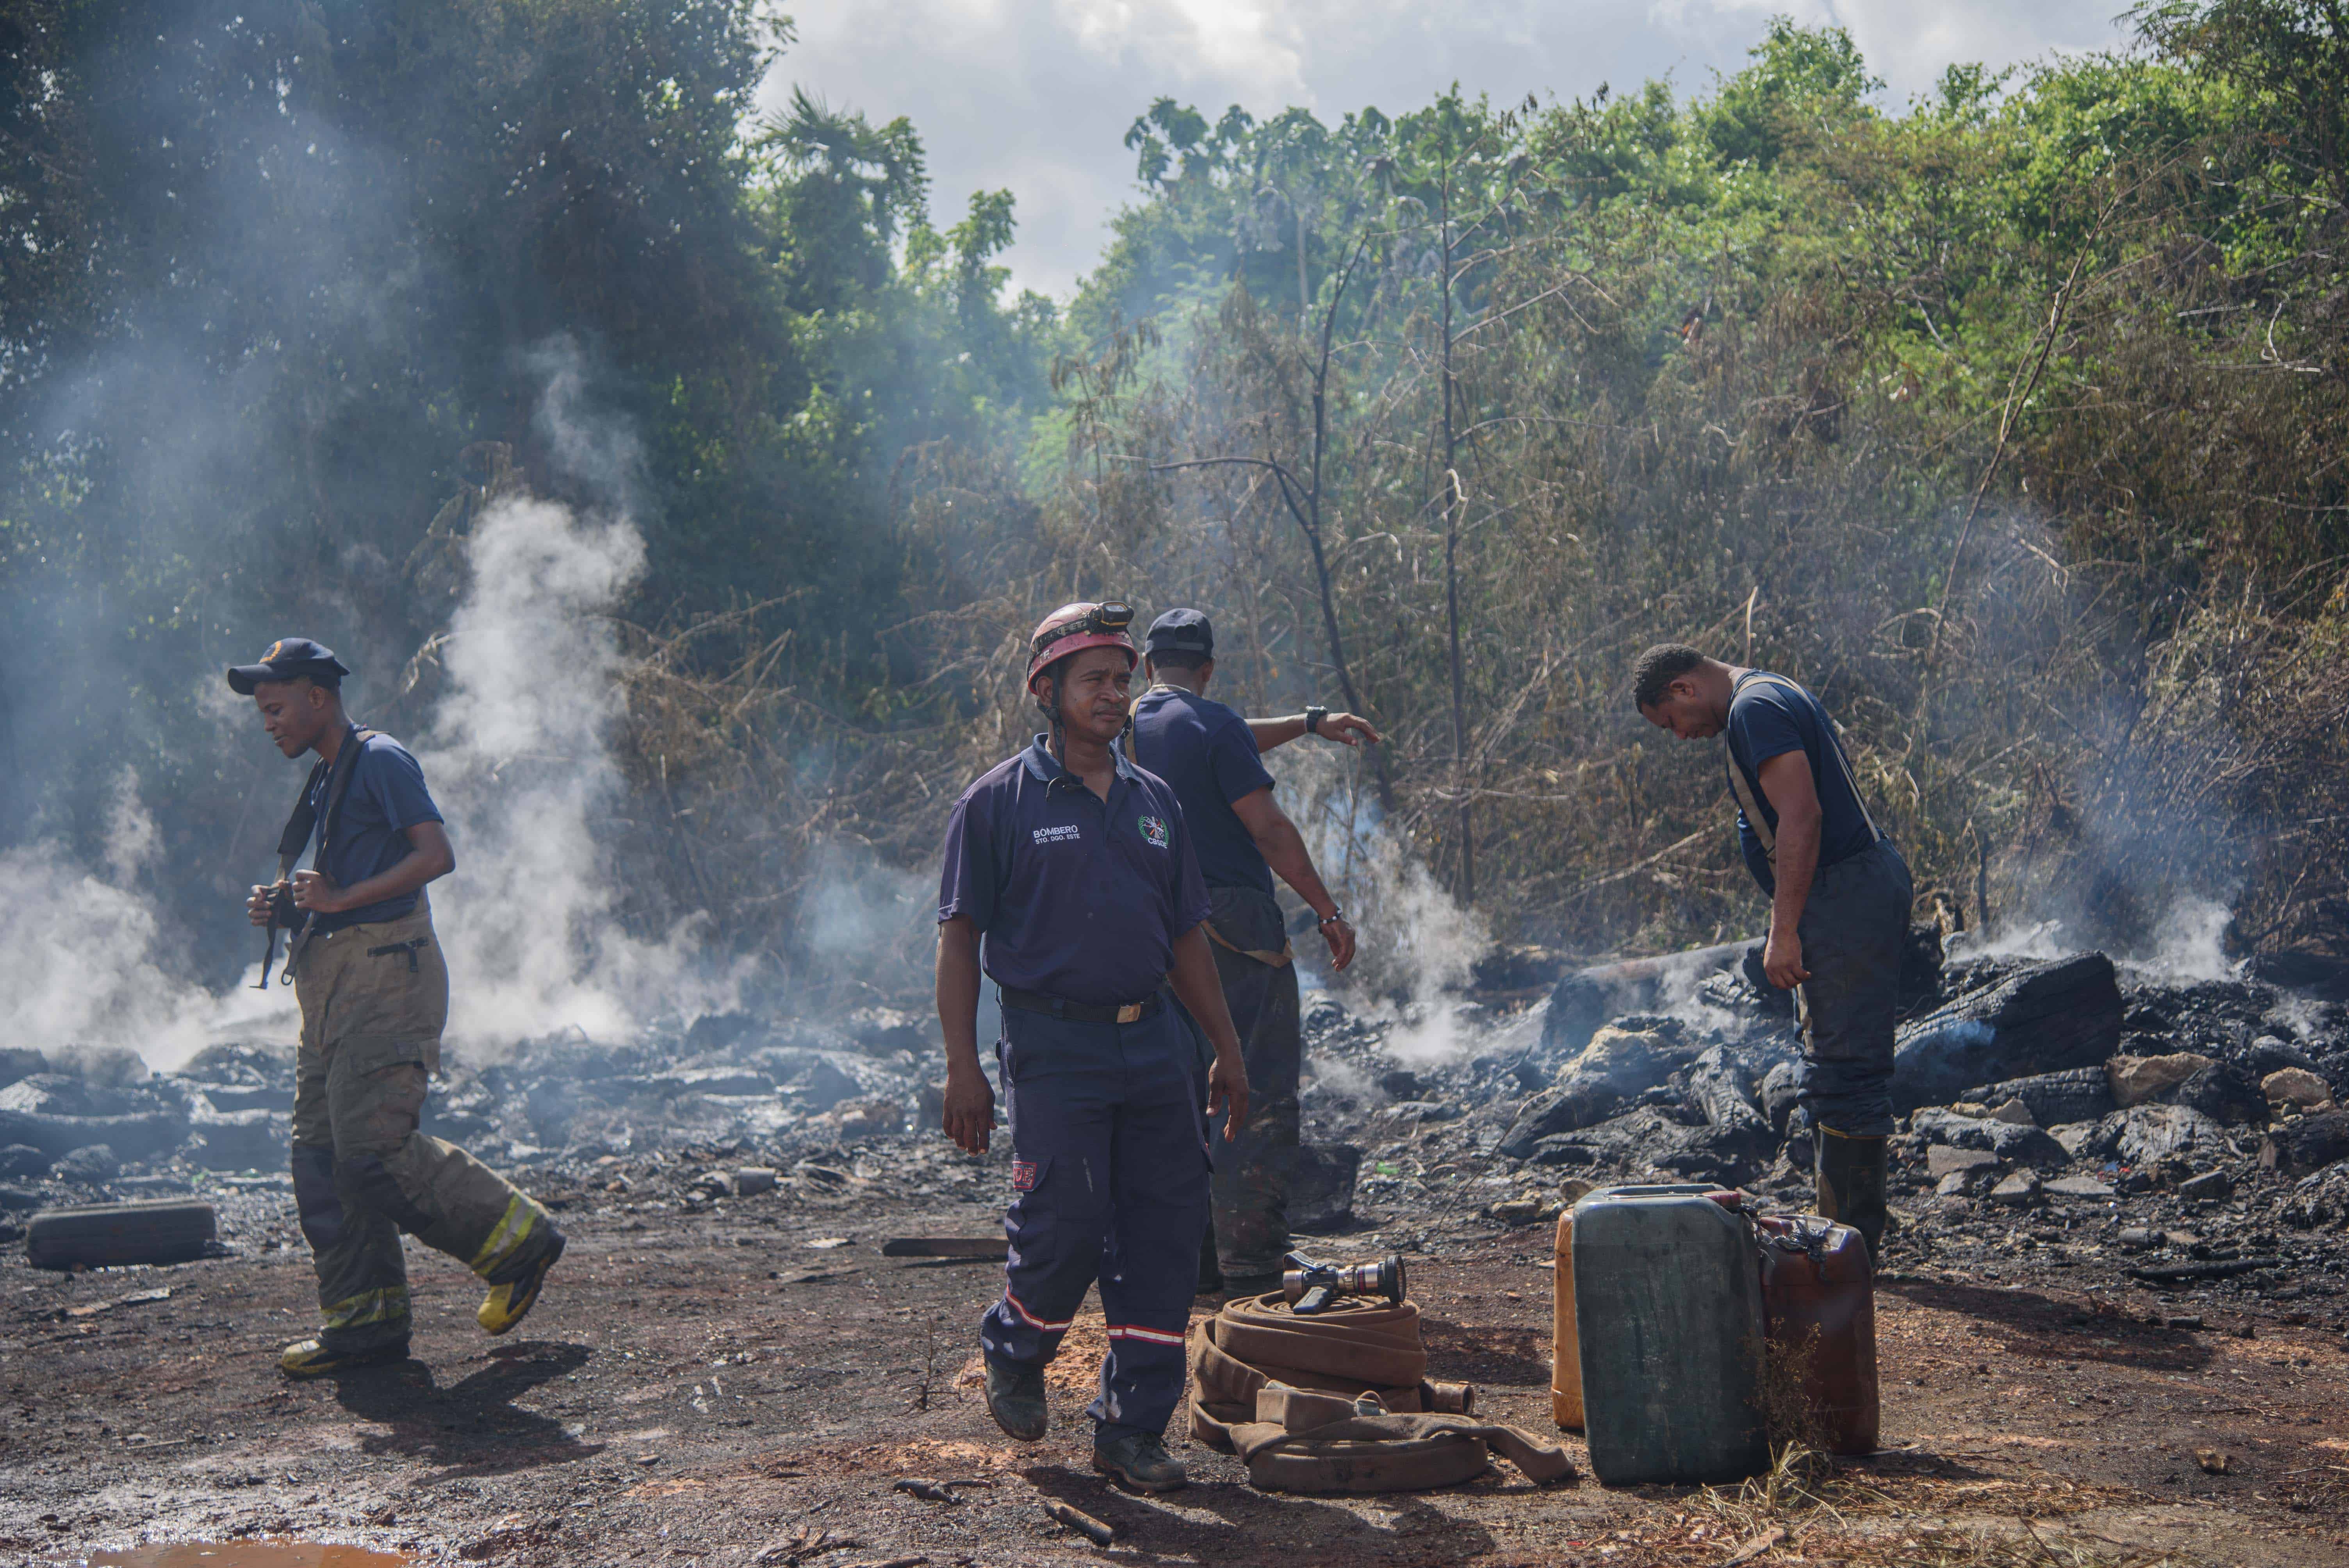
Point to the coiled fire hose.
(1341, 1402)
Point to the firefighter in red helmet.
(1070, 881)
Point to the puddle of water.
(247, 1554)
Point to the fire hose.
(1341, 1402)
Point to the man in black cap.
(375, 994)
(1210, 755)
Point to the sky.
(1036, 95)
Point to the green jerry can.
(1668, 1314)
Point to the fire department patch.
(1154, 832)
(1023, 1175)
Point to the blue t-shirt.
(387, 797)
(1073, 896)
(1205, 750)
(1767, 719)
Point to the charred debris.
(2144, 1133)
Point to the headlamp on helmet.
(1073, 628)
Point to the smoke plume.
(517, 756)
(1417, 946)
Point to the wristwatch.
(1313, 718)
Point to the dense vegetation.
(2015, 420)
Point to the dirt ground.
(746, 1384)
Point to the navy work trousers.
(1251, 1180)
(1854, 928)
(1109, 1181)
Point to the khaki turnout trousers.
(374, 999)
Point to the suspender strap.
(1762, 832)
(298, 826)
(347, 762)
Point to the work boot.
(1239, 1287)
(1211, 1272)
(1140, 1460)
(1851, 1176)
(309, 1358)
(1015, 1397)
(509, 1300)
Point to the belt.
(1081, 1012)
(1262, 956)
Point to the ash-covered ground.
(2111, 1307)
(2218, 1183)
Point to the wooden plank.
(945, 1247)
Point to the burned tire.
(100, 1235)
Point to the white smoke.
(2190, 942)
(132, 838)
(90, 964)
(518, 758)
(517, 755)
(2019, 939)
(1417, 947)
(867, 924)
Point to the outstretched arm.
(1342, 728)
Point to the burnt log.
(2314, 972)
(1717, 1086)
(133, 1138)
(2226, 1092)
(2077, 1094)
(2309, 1144)
(242, 1140)
(1617, 1066)
(1585, 1000)
(2181, 1273)
(1782, 1090)
(2009, 1140)
(1653, 1137)
(2046, 1018)
(2144, 1136)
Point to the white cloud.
(1036, 95)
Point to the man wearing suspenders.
(1211, 758)
(1069, 876)
(1839, 900)
(374, 992)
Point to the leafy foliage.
(2014, 421)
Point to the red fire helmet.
(1073, 628)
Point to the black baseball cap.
(1181, 632)
(288, 658)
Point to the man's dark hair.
(1658, 668)
(1180, 659)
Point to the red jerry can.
(1816, 1275)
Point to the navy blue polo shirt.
(1767, 719)
(1073, 896)
(1205, 752)
(385, 799)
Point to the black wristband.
(1313, 718)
